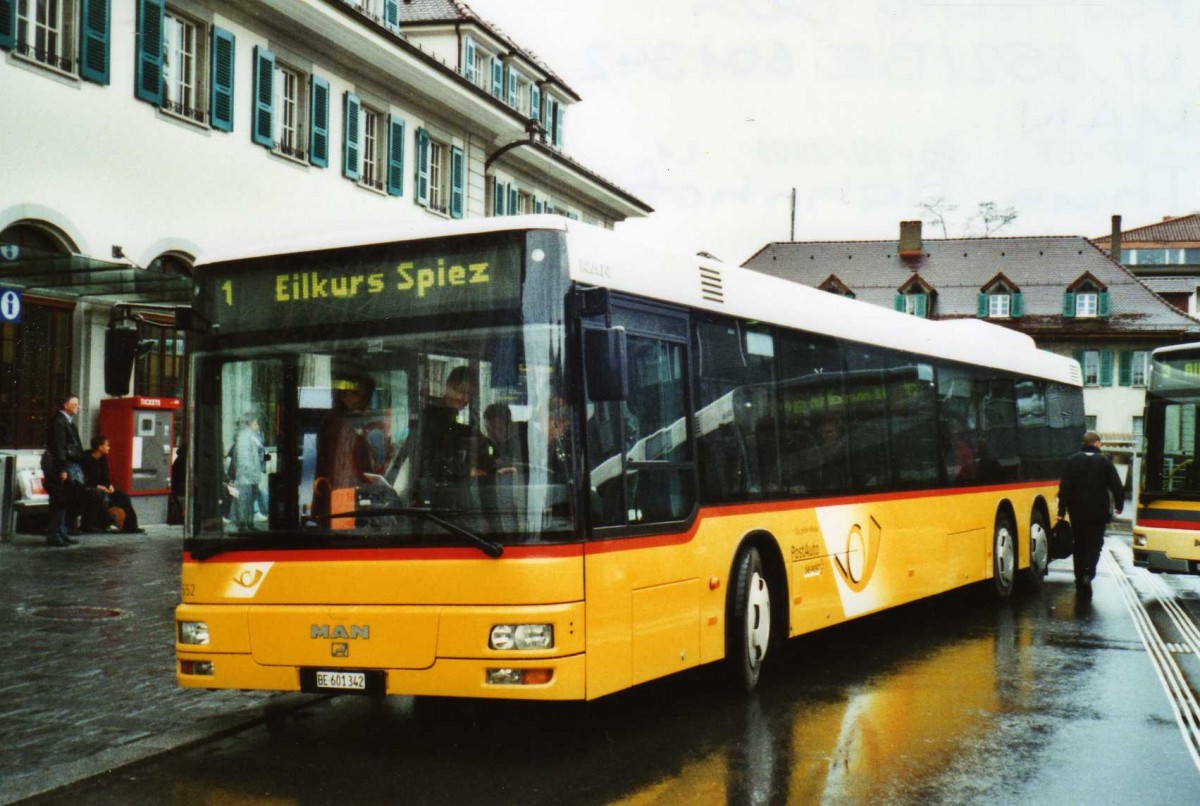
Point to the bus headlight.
(522, 636)
(193, 632)
(1139, 540)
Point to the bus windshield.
(1172, 400)
(382, 427)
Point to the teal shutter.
(318, 115)
(1069, 305)
(148, 84)
(560, 120)
(1124, 368)
(93, 41)
(498, 197)
(391, 13)
(457, 181)
(512, 87)
(1103, 307)
(422, 197)
(898, 303)
(395, 174)
(538, 205)
(264, 97)
(8, 24)
(221, 97)
(513, 207)
(350, 145)
(1016, 306)
(535, 102)
(497, 78)
(1078, 356)
(981, 306)
(469, 59)
(922, 305)
(550, 207)
(1106, 367)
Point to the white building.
(139, 133)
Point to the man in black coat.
(63, 476)
(1089, 491)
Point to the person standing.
(95, 474)
(61, 471)
(248, 461)
(1089, 492)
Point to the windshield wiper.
(426, 513)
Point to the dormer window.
(477, 64)
(1000, 299)
(1086, 298)
(915, 298)
(834, 285)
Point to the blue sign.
(10, 305)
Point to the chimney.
(1114, 242)
(910, 239)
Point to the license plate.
(346, 681)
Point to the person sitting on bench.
(102, 493)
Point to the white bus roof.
(1167, 352)
(599, 257)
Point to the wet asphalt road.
(956, 700)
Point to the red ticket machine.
(141, 431)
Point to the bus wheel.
(1004, 556)
(1039, 551)
(749, 619)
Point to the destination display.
(360, 284)
(1176, 373)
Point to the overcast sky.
(711, 112)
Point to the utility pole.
(793, 238)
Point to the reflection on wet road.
(955, 700)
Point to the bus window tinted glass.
(958, 406)
(736, 418)
(912, 406)
(813, 442)
(866, 409)
(998, 460)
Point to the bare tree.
(991, 217)
(936, 209)
(995, 218)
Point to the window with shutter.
(221, 79)
(93, 42)
(149, 78)
(264, 97)
(457, 182)
(318, 143)
(350, 136)
(395, 185)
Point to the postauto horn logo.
(856, 559)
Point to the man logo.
(353, 632)
(856, 562)
(340, 650)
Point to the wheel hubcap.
(1004, 556)
(758, 619)
(1039, 548)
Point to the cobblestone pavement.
(87, 670)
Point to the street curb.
(106, 761)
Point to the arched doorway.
(35, 355)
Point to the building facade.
(1165, 255)
(141, 133)
(1062, 291)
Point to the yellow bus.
(521, 458)
(1166, 534)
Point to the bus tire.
(1004, 556)
(1039, 551)
(749, 618)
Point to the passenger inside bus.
(960, 461)
(445, 455)
(497, 448)
(353, 444)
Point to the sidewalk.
(88, 680)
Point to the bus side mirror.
(604, 355)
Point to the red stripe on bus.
(349, 555)
(1150, 523)
(603, 546)
(653, 541)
